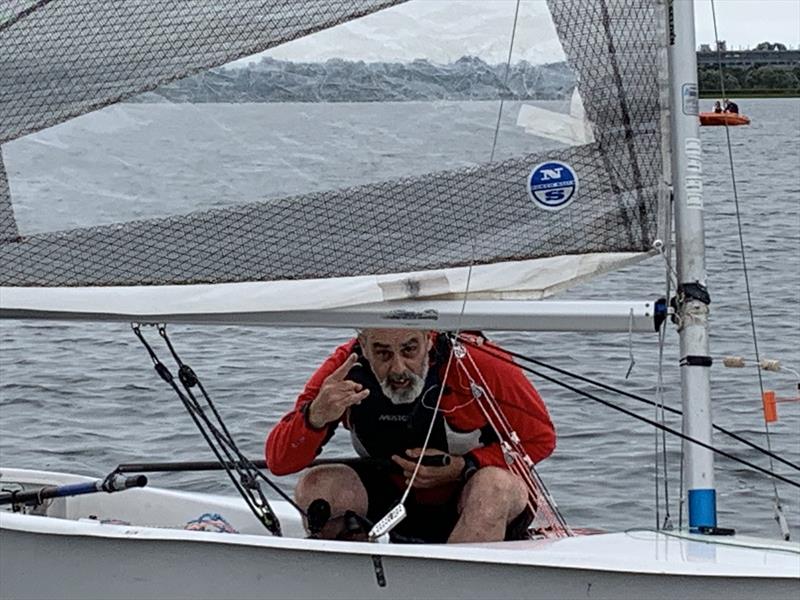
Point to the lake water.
(83, 398)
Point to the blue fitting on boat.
(702, 509)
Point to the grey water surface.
(82, 398)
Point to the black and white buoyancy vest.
(380, 428)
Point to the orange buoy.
(770, 406)
(712, 118)
(771, 401)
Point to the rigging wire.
(424, 447)
(713, 540)
(528, 474)
(505, 81)
(543, 504)
(639, 417)
(778, 506)
(233, 459)
(636, 397)
(491, 160)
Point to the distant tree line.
(771, 46)
(784, 79)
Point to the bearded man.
(383, 387)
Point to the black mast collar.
(693, 291)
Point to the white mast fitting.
(692, 296)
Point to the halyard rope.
(778, 507)
(491, 159)
(410, 482)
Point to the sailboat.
(472, 247)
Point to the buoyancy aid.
(380, 428)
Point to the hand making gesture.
(336, 395)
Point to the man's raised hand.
(336, 395)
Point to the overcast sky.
(445, 30)
(747, 22)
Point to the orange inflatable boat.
(712, 118)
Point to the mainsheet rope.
(630, 413)
(410, 482)
(642, 399)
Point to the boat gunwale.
(617, 552)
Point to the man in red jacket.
(383, 387)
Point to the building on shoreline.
(770, 69)
(779, 56)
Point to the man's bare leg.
(492, 498)
(340, 486)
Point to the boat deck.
(160, 514)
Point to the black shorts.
(424, 523)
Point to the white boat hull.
(63, 557)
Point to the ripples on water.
(83, 397)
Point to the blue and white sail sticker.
(552, 185)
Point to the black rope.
(667, 524)
(642, 399)
(636, 416)
(233, 460)
(189, 379)
(196, 412)
(666, 250)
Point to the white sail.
(392, 221)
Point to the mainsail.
(62, 59)
(386, 238)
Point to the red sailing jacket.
(292, 444)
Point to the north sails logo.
(394, 418)
(552, 185)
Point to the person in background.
(383, 387)
(731, 107)
(717, 107)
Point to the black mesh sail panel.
(426, 214)
(429, 224)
